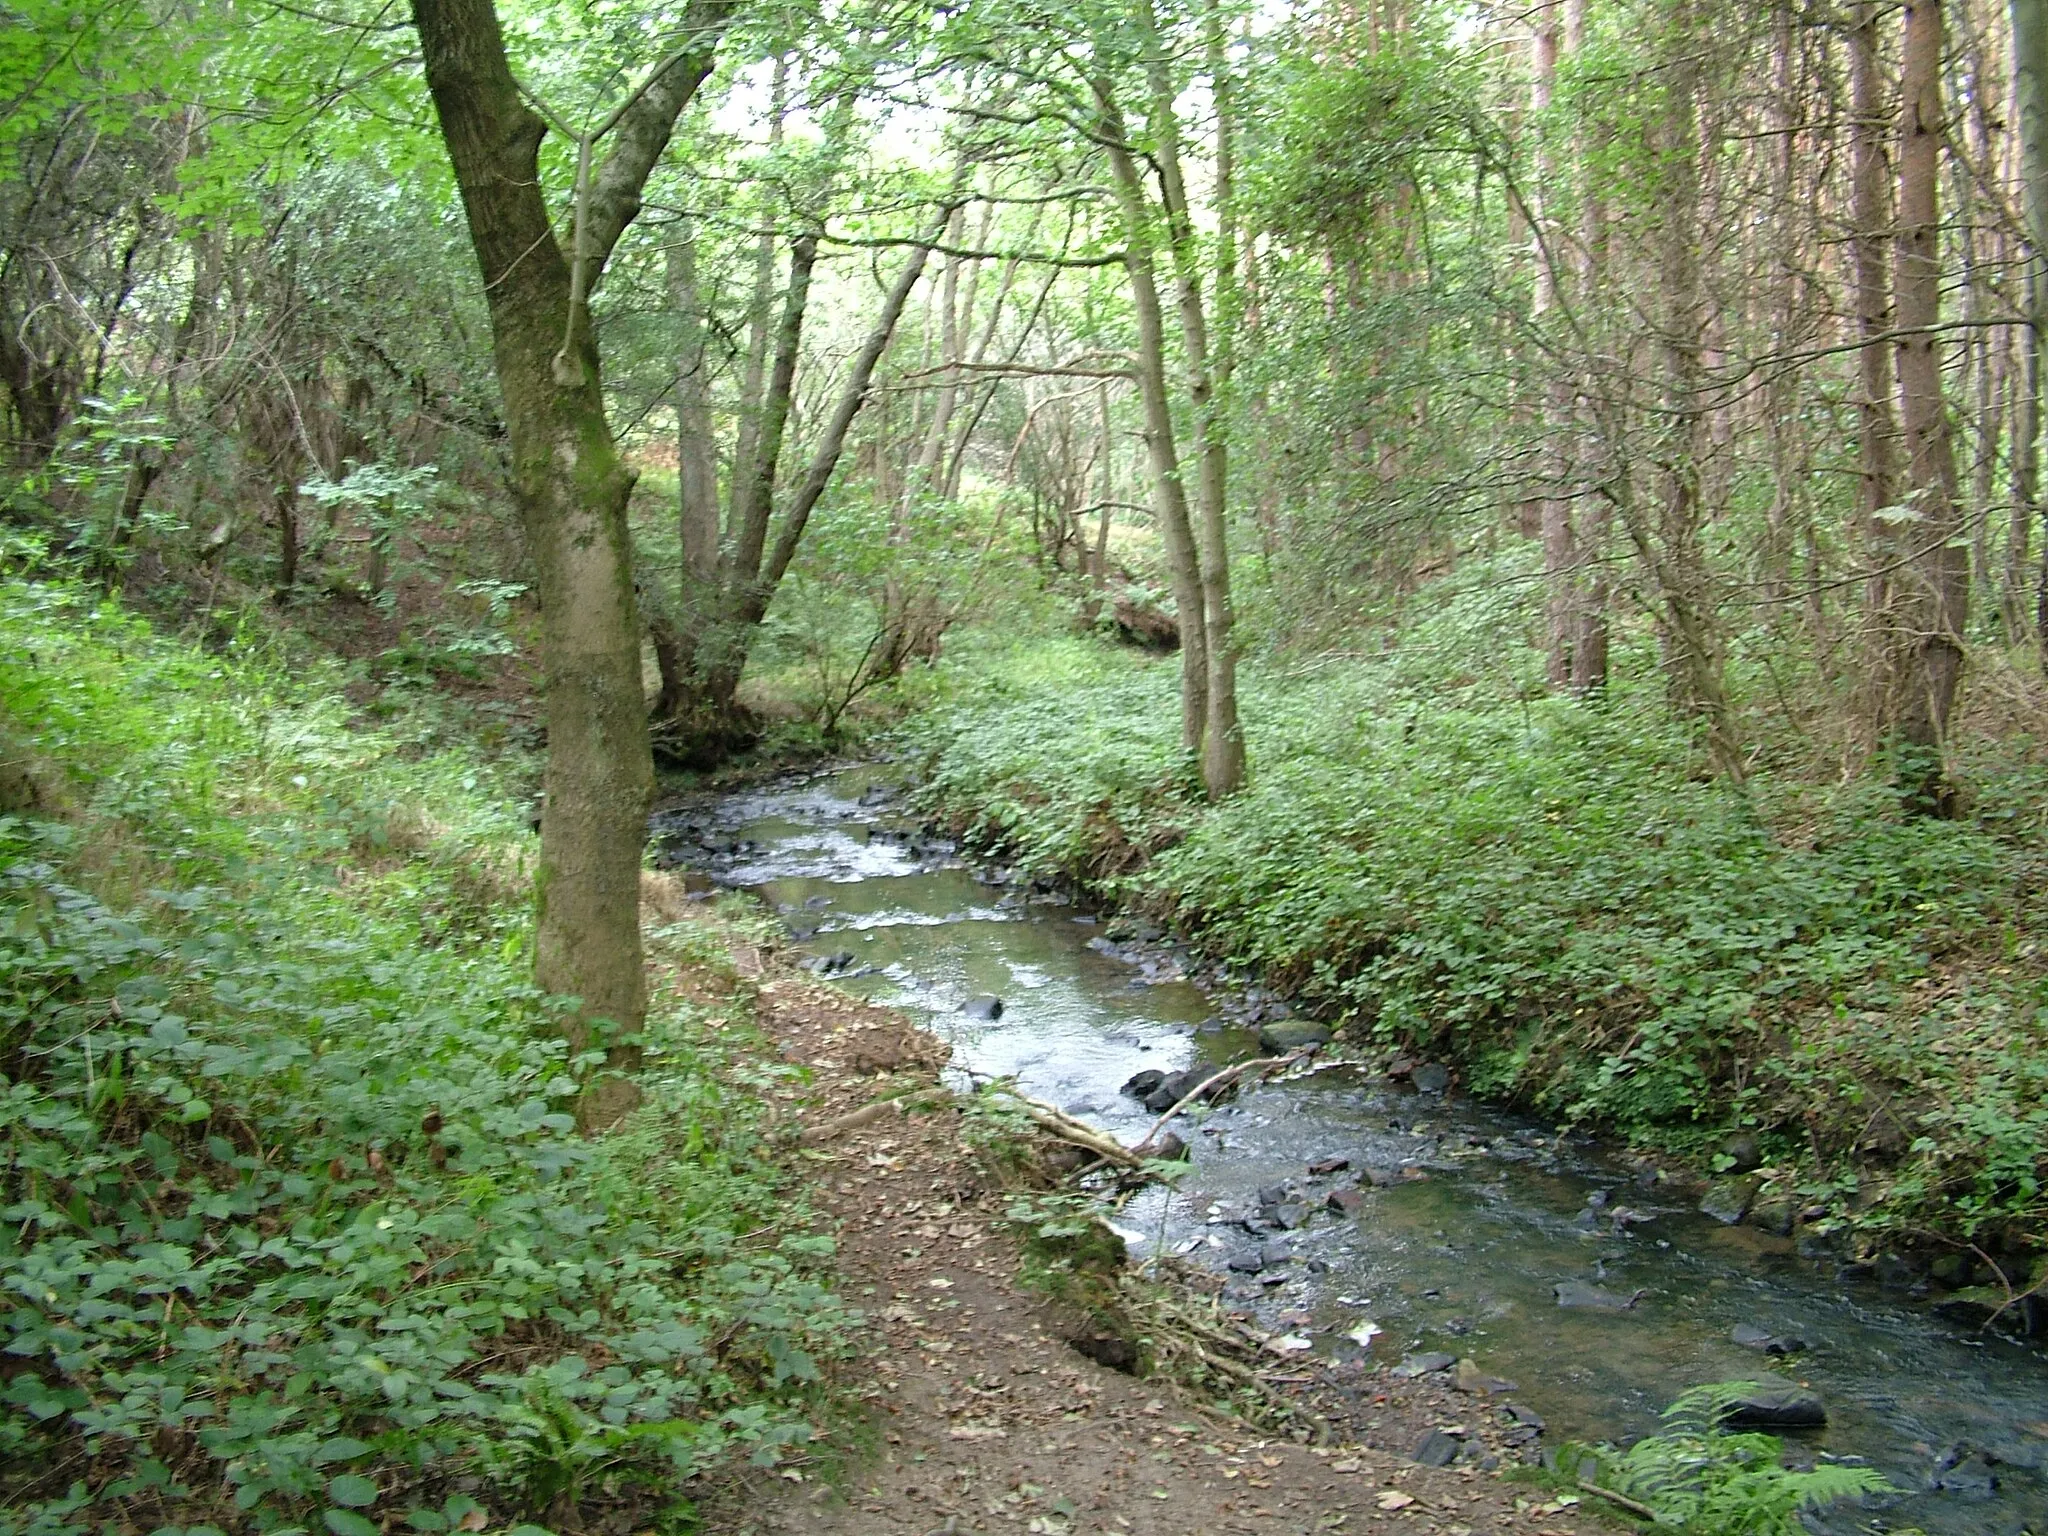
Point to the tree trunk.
(1560, 557)
(1931, 647)
(704, 721)
(1686, 586)
(1589, 627)
(1223, 749)
(1870, 218)
(2030, 99)
(760, 322)
(571, 488)
(696, 447)
(1169, 493)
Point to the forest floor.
(973, 1413)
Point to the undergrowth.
(298, 1231)
(1549, 893)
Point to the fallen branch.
(839, 1125)
(1075, 1133)
(1216, 1082)
(1622, 1499)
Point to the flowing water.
(1474, 1216)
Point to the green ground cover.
(1550, 894)
(298, 1231)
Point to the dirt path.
(981, 1417)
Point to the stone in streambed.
(1974, 1303)
(1431, 1077)
(1144, 1084)
(1282, 1037)
(1249, 1262)
(1170, 1149)
(1424, 1363)
(1966, 1473)
(1772, 1402)
(1743, 1153)
(1775, 1214)
(1345, 1202)
(985, 1006)
(1469, 1378)
(1172, 1088)
(1762, 1340)
(1592, 1298)
(1436, 1450)
(1729, 1200)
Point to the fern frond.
(1715, 1484)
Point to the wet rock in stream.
(1729, 1200)
(1286, 1036)
(1772, 1402)
(1172, 1088)
(1765, 1342)
(984, 1006)
(1424, 1363)
(1580, 1295)
(1965, 1473)
(1468, 1377)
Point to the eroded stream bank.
(1456, 1230)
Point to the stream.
(1466, 1220)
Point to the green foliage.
(298, 1232)
(1441, 857)
(1708, 1482)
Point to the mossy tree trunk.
(571, 487)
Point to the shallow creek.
(1482, 1214)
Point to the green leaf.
(346, 1522)
(342, 1448)
(353, 1490)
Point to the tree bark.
(1686, 586)
(1931, 647)
(571, 488)
(696, 447)
(1554, 508)
(1870, 218)
(1169, 492)
(2030, 99)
